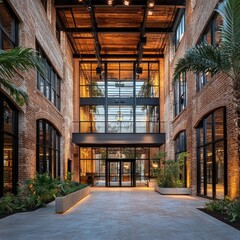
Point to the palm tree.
(13, 61)
(205, 58)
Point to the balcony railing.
(118, 127)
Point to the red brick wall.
(215, 94)
(36, 24)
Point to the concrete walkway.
(120, 214)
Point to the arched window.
(48, 149)
(180, 145)
(8, 147)
(211, 155)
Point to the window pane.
(219, 170)
(209, 129)
(219, 126)
(209, 170)
(201, 156)
(8, 118)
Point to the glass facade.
(121, 101)
(94, 162)
(48, 149)
(211, 152)
(8, 147)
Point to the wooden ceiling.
(100, 32)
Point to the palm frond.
(18, 59)
(19, 94)
(202, 58)
(230, 29)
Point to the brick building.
(105, 108)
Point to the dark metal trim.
(117, 56)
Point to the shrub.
(225, 206)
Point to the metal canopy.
(98, 31)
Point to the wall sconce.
(151, 3)
(150, 12)
(126, 2)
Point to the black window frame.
(202, 78)
(180, 146)
(13, 39)
(14, 136)
(50, 82)
(204, 146)
(181, 24)
(48, 147)
(180, 93)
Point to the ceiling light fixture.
(110, 2)
(98, 70)
(126, 2)
(80, 1)
(150, 12)
(151, 3)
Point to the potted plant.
(170, 179)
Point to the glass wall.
(119, 100)
(211, 152)
(8, 147)
(93, 163)
(48, 149)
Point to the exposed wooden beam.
(118, 56)
(119, 3)
(118, 30)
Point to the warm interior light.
(80, 1)
(150, 12)
(151, 3)
(110, 2)
(126, 2)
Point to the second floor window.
(210, 36)
(180, 30)
(8, 28)
(180, 93)
(49, 84)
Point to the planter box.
(62, 204)
(173, 191)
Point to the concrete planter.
(62, 204)
(173, 191)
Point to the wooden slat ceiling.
(98, 31)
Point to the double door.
(120, 173)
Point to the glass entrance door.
(120, 173)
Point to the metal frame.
(204, 146)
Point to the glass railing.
(118, 127)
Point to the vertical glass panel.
(113, 76)
(201, 156)
(143, 88)
(154, 81)
(7, 22)
(219, 125)
(85, 153)
(208, 123)
(126, 177)
(209, 170)
(126, 80)
(114, 173)
(8, 118)
(41, 159)
(8, 163)
(219, 170)
(120, 119)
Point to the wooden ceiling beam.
(118, 30)
(118, 56)
(119, 3)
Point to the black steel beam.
(95, 33)
(116, 56)
(119, 3)
(118, 30)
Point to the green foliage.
(37, 192)
(172, 175)
(12, 61)
(206, 58)
(225, 206)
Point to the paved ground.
(120, 214)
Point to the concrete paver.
(120, 214)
